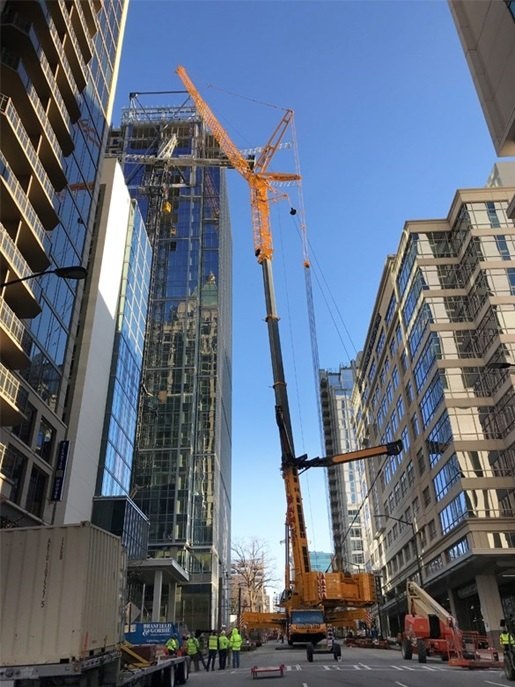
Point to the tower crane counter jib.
(334, 596)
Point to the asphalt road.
(357, 668)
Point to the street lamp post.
(75, 272)
(414, 535)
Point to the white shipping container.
(61, 593)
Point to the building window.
(421, 461)
(446, 477)
(453, 514)
(37, 492)
(426, 496)
(45, 441)
(457, 550)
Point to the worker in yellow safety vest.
(223, 645)
(506, 639)
(193, 651)
(172, 645)
(235, 642)
(212, 648)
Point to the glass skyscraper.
(182, 471)
(58, 71)
(344, 481)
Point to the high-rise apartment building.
(436, 372)
(58, 69)
(182, 468)
(345, 481)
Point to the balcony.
(24, 162)
(61, 15)
(12, 398)
(17, 212)
(18, 34)
(38, 10)
(22, 298)
(18, 86)
(87, 11)
(14, 339)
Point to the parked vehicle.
(61, 604)
(430, 630)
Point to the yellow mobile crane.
(311, 599)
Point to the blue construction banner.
(149, 633)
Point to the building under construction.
(182, 468)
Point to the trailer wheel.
(171, 682)
(310, 650)
(182, 672)
(422, 651)
(337, 651)
(509, 667)
(407, 650)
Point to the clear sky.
(388, 127)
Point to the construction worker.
(507, 639)
(172, 645)
(223, 645)
(235, 642)
(193, 651)
(212, 648)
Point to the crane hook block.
(293, 211)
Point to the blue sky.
(388, 127)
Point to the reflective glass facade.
(181, 477)
(344, 481)
(118, 442)
(57, 76)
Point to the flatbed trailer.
(104, 669)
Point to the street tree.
(251, 574)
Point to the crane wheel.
(407, 650)
(422, 651)
(310, 650)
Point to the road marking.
(502, 684)
(364, 666)
(294, 667)
(401, 684)
(398, 667)
(429, 668)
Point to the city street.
(357, 668)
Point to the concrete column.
(156, 599)
(491, 606)
(452, 603)
(171, 602)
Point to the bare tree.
(251, 573)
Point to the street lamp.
(76, 272)
(414, 534)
